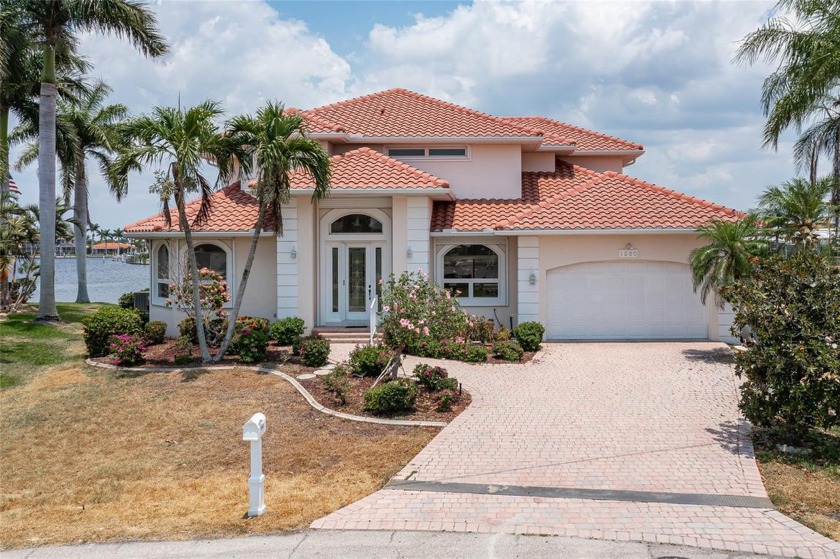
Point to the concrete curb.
(291, 380)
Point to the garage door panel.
(623, 300)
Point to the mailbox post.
(253, 431)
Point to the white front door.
(353, 271)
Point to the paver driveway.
(622, 441)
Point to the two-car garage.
(623, 300)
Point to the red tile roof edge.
(636, 145)
(364, 150)
(528, 131)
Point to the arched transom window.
(472, 272)
(356, 223)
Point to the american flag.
(13, 187)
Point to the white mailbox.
(253, 431)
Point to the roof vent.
(382, 111)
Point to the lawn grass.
(805, 487)
(27, 348)
(89, 454)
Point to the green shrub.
(446, 399)
(314, 351)
(474, 354)
(369, 361)
(184, 359)
(155, 332)
(338, 383)
(529, 335)
(127, 349)
(287, 331)
(249, 323)
(183, 350)
(431, 378)
(250, 344)
(503, 334)
(792, 306)
(186, 328)
(106, 322)
(126, 300)
(479, 329)
(391, 397)
(509, 350)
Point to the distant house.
(526, 217)
(101, 249)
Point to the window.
(473, 272)
(356, 223)
(161, 287)
(211, 257)
(442, 152)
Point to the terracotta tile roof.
(365, 169)
(559, 133)
(576, 198)
(403, 113)
(231, 209)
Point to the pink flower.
(386, 308)
(425, 330)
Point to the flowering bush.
(250, 344)
(431, 378)
(416, 310)
(213, 295)
(106, 322)
(479, 329)
(446, 399)
(127, 349)
(369, 361)
(314, 351)
(250, 323)
(155, 332)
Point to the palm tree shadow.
(716, 355)
(733, 436)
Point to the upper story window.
(474, 273)
(428, 152)
(356, 223)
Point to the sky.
(656, 72)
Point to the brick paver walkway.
(650, 417)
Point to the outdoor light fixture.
(532, 279)
(409, 253)
(293, 253)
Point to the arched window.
(356, 223)
(162, 272)
(212, 257)
(473, 272)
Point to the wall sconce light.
(532, 279)
(293, 253)
(409, 253)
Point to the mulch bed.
(424, 408)
(527, 356)
(163, 355)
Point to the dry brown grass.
(88, 455)
(809, 496)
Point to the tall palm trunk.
(80, 212)
(47, 310)
(240, 291)
(4, 149)
(196, 281)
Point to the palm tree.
(58, 22)
(278, 144)
(797, 208)
(726, 257)
(181, 141)
(804, 91)
(86, 128)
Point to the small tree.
(793, 373)
(213, 295)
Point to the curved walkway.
(615, 441)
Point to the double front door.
(353, 271)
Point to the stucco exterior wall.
(597, 163)
(260, 295)
(538, 162)
(565, 250)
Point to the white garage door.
(623, 300)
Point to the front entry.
(354, 270)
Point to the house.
(106, 248)
(528, 218)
